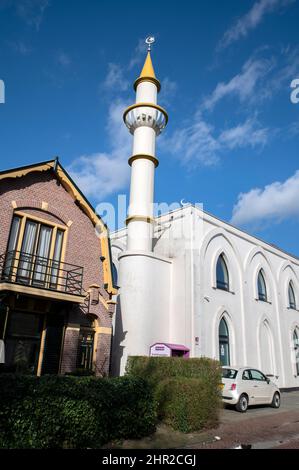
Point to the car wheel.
(242, 404)
(276, 400)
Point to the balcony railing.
(35, 271)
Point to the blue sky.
(225, 68)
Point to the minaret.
(145, 120)
(142, 316)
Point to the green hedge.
(186, 404)
(186, 391)
(73, 412)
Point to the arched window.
(222, 279)
(223, 343)
(114, 275)
(261, 287)
(296, 349)
(292, 299)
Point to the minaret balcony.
(145, 114)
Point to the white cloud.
(138, 55)
(194, 144)
(169, 89)
(248, 133)
(293, 129)
(115, 79)
(31, 11)
(104, 173)
(289, 69)
(277, 201)
(19, 47)
(242, 85)
(251, 20)
(64, 59)
(199, 143)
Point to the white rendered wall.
(188, 304)
(260, 332)
(143, 305)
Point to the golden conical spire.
(147, 73)
(148, 69)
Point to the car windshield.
(229, 373)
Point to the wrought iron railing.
(32, 270)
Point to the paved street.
(261, 427)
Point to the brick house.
(56, 276)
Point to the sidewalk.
(273, 431)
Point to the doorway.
(224, 353)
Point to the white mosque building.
(191, 284)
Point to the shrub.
(186, 404)
(186, 391)
(72, 412)
(81, 373)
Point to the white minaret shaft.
(145, 120)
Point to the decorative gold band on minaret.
(147, 79)
(147, 157)
(140, 218)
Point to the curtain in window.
(12, 245)
(56, 259)
(42, 254)
(27, 250)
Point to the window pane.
(246, 375)
(262, 292)
(229, 373)
(114, 274)
(296, 350)
(27, 250)
(256, 375)
(85, 350)
(222, 274)
(223, 330)
(292, 301)
(23, 342)
(14, 232)
(223, 343)
(56, 259)
(42, 254)
(12, 245)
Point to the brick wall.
(70, 348)
(102, 354)
(83, 247)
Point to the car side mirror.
(268, 381)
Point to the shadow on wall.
(117, 339)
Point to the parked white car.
(245, 386)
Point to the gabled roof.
(71, 187)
